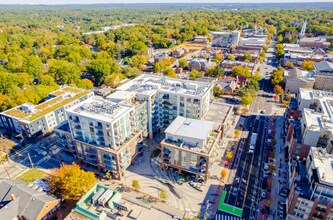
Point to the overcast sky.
(147, 1)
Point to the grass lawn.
(31, 175)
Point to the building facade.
(107, 134)
(34, 120)
(225, 39)
(323, 75)
(190, 146)
(166, 98)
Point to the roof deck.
(58, 99)
(148, 84)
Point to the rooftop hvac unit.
(105, 197)
(97, 195)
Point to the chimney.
(12, 196)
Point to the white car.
(251, 151)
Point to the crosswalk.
(227, 217)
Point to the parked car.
(235, 192)
(265, 174)
(263, 194)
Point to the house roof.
(190, 128)
(28, 203)
(324, 65)
(296, 73)
(224, 85)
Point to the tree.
(159, 66)
(241, 71)
(218, 58)
(246, 99)
(108, 175)
(217, 91)
(163, 194)
(64, 72)
(223, 174)
(183, 63)
(256, 76)
(253, 84)
(135, 184)
(194, 74)
(237, 132)
(288, 64)
(280, 38)
(231, 57)
(85, 84)
(131, 72)
(70, 181)
(229, 156)
(247, 57)
(307, 65)
(101, 68)
(170, 72)
(32, 65)
(278, 90)
(215, 71)
(114, 80)
(277, 76)
(138, 60)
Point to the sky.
(147, 1)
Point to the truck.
(253, 141)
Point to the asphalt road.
(249, 166)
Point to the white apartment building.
(167, 98)
(317, 117)
(34, 120)
(106, 133)
(225, 39)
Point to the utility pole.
(32, 165)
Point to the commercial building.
(324, 75)
(225, 40)
(166, 98)
(201, 40)
(190, 145)
(20, 200)
(107, 134)
(298, 58)
(34, 120)
(227, 65)
(317, 113)
(315, 42)
(311, 191)
(296, 79)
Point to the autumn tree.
(307, 65)
(241, 71)
(229, 156)
(217, 91)
(231, 57)
(289, 64)
(223, 174)
(108, 175)
(114, 80)
(277, 76)
(215, 71)
(170, 72)
(194, 74)
(70, 181)
(85, 84)
(135, 184)
(138, 60)
(218, 58)
(183, 63)
(247, 57)
(278, 90)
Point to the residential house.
(178, 53)
(201, 40)
(200, 64)
(160, 56)
(227, 87)
(20, 200)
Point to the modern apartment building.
(34, 120)
(225, 39)
(190, 145)
(107, 134)
(311, 192)
(166, 98)
(317, 117)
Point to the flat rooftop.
(324, 164)
(218, 113)
(57, 99)
(149, 84)
(99, 109)
(190, 128)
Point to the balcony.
(320, 209)
(77, 127)
(100, 139)
(100, 133)
(90, 152)
(76, 120)
(99, 127)
(318, 215)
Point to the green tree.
(277, 76)
(131, 72)
(246, 99)
(158, 67)
(101, 68)
(247, 57)
(183, 63)
(253, 84)
(85, 84)
(170, 72)
(217, 91)
(280, 39)
(135, 184)
(231, 57)
(64, 72)
(138, 60)
(108, 175)
(307, 65)
(218, 58)
(194, 74)
(215, 71)
(114, 80)
(67, 181)
(241, 71)
(33, 65)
